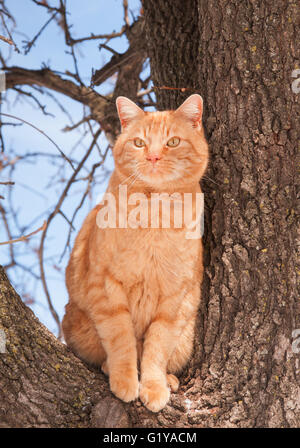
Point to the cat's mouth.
(153, 170)
(157, 173)
(153, 173)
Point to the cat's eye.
(173, 142)
(139, 143)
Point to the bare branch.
(96, 108)
(48, 222)
(25, 237)
(7, 40)
(30, 44)
(126, 17)
(50, 80)
(98, 36)
(43, 133)
(45, 4)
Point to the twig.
(125, 7)
(5, 39)
(49, 220)
(144, 92)
(112, 66)
(182, 89)
(29, 45)
(74, 126)
(99, 36)
(10, 40)
(42, 132)
(25, 237)
(30, 95)
(44, 4)
(89, 178)
(9, 235)
(106, 47)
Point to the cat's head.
(161, 149)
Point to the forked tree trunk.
(240, 57)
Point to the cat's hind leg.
(81, 336)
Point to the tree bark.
(244, 372)
(240, 57)
(42, 384)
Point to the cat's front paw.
(154, 395)
(125, 387)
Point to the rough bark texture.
(240, 57)
(42, 384)
(172, 33)
(246, 374)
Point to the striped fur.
(134, 293)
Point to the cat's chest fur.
(164, 264)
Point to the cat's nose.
(153, 158)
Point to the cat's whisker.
(125, 284)
(134, 179)
(124, 181)
(127, 178)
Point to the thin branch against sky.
(53, 89)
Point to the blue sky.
(32, 195)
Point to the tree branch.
(25, 237)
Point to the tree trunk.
(42, 384)
(245, 373)
(240, 57)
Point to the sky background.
(34, 194)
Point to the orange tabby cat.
(134, 292)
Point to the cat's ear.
(127, 110)
(192, 109)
